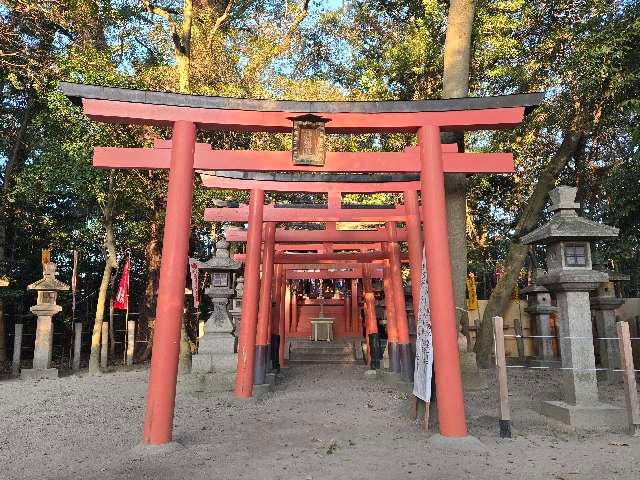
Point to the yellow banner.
(472, 302)
(46, 256)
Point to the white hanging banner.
(424, 342)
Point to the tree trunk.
(12, 168)
(183, 48)
(455, 83)
(153, 257)
(110, 264)
(501, 295)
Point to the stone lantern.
(216, 347)
(570, 276)
(45, 308)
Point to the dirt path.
(320, 423)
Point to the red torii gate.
(185, 113)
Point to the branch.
(218, 23)
(169, 15)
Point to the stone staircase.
(309, 352)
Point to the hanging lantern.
(308, 140)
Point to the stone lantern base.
(600, 415)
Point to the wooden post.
(635, 333)
(17, 349)
(77, 345)
(629, 375)
(131, 340)
(112, 333)
(517, 328)
(104, 352)
(501, 364)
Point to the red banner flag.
(122, 297)
(195, 279)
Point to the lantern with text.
(308, 140)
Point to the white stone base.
(207, 383)
(601, 415)
(214, 363)
(38, 373)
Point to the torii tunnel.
(417, 172)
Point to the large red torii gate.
(185, 114)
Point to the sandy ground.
(325, 422)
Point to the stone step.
(317, 361)
(322, 358)
(322, 349)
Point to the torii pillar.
(402, 325)
(161, 395)
(445, 336)
(249, 319)
(414, 241)
(264, 310)
(371, 323)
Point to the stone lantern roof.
(49, 282)
(565, 223)
(221, 261)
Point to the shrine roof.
(76, 92)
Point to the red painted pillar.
(161, 393)
(402, 325)
(370, 319)
(414, 240)
(355, 309)
(287, 306)
(286, 315)
(264, 310)
(347, 315)
(390, 311)
(294, 312)
(277, 315)
(445, 336)
(249, 319)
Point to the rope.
(567, 338)
(569, 368)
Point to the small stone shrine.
(570, 276)
(216, 347)
(45, 308)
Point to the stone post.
(131, 340)
(17, 350)
(77, 345)
(104, 350)
(45, 308)
(540, 309)
(236, 309)
(604, 304)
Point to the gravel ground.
(323, 422)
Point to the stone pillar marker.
(216, 347)
(45, 308)
(540, 309)
(603, 304)
(571, 277)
